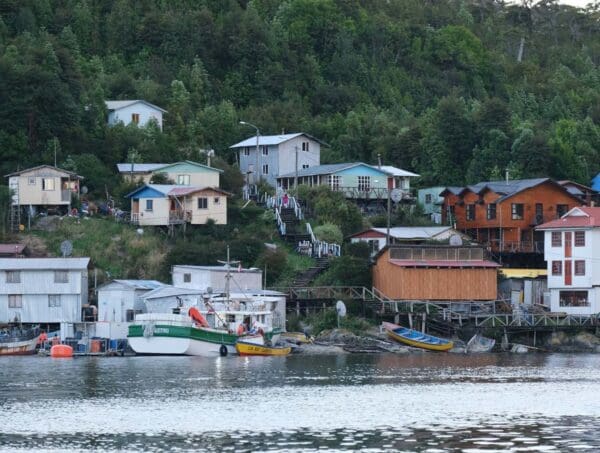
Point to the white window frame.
(305, 146)
(246, 151)
(363, 183)
(149, 206)
(31, 181)
(265, 169)
(305, 166)
(187, 277)
(15, 301)
(265, 150)
(205, 203)
(13, 276)
(54, 301)
(183, 180)
(46, 187)
(333, 181)
(217, 200)
(61, 276)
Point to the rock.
(336, 336)
(557, 339)
(586, 340)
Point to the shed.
(119, 300)
(204, 277)
(524, 286)
(444, 273)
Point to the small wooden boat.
(416, 339)
(246, 348)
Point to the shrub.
(329, 232)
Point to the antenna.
(66, 247)
(228, 277)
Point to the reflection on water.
(423, 402)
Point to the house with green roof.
(185, 173)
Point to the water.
(384, 402)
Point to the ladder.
(15, 208)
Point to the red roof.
(444, 263)
(11, 249)
(589, 219)
(178, 191)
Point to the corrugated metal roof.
(234, 269)
(444, 263)
(170, 291)
(60, 170)
(140, 284)
(580, 217)
(116, 105)
(139, 168)
(272, 140)
(414, 232)
(395, 171)
(43, 263)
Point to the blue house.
(431, 201)
(356, 180)
(596, 183)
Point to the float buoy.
(223, 350)
(61, 351)
(195, 314)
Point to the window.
(579, 238)
(149, 205)
(265, 169)
(135, 118)
(373, 246)
(53, 300)
(265, 150)
(216, 200)
(305, 146)
(31, 181)
(364, 183)
(491, 211)
(539, 213)
(574, 299)
(229, 318)
(428, 198)
(15, 301)
(183, 180)
(470, 212)
(203, 203)
(13, 277)
(556, 239)
(61, 277)
(333, 182)
(187, 278)
(47, 183)
(246, 151)
(304, 166)
(556, 267)
(579, 267)
(517, 211)
(561, 209)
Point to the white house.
(135, 111)
(277, 155)
(572, 253)
(119, 300)
(204, 277)
(376, 237)
(43, 290)
(186, 173)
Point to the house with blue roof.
(184, 173)
(270, 156)
(356, 180)
(176, 204)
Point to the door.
(568, 243)
(568, 278)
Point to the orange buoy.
(61, 351)
(195, 314)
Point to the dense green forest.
(455, 90)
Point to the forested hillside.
(457, 91)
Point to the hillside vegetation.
(455, 90)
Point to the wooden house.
(502, 215)
(166, 205)
(185, 173)
(275, 155)
(356, 180)
(136, 111)
(432, 272)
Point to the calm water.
(429, 402)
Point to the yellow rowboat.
(417, 339)
(244, 348)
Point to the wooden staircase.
(305, 278)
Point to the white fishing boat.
(15, 340)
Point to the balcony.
(178, 217)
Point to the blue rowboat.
(416, 339)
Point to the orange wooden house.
(434, 272)
(502, 215)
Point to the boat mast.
(228, 276)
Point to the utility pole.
(389, 209)
(54, 151)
